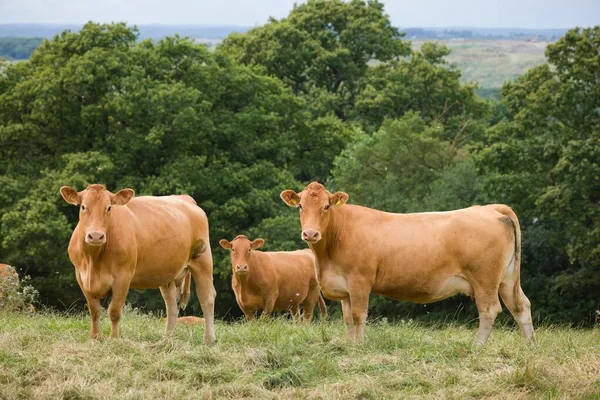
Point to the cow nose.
(95, 237)
(311, 235)
(241, 268)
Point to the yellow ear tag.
(294, 201)
(337, 203)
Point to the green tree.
(322, 49)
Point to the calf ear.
(122, 197)
(257, 243)
(290, 198)
(338, 198)
(226, 244)
(70, 195)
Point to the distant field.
(492, 62)
(49, 356)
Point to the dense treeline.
(332, 92)
(17, 48)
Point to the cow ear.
(290, 198)
(70, 195)
(257, 243)
(226, 244)
(122, 197)
(338, 198)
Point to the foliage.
(17, 48)
(321, 47)
(543, 159)
(15, 294)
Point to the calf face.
(316, 206)
(241, 247)
(95, 208)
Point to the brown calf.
(279, 280)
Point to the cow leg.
(269, 304)
(359, 305)
(202, 271)
(169, 293)
(119, 295)
(311, 302)
(520, 310)
(95, 310)
(347, 313)
(295, 312)
(489, 307)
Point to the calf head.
(316, 207)
(241, 247)
(95, 208)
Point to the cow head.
(95, 208)
(241, 247)
(316, 206)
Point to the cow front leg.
(359, 306)
(268, 305)
(95, 309)
(119, 295)
(347, 313)
(169, 293)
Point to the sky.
(403, 13)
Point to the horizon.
(435, 14)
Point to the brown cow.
(422, 257)
(274, 280)
(145, 242)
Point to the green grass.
(46, 356)
(492, 62)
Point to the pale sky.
(403, 13)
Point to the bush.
(15, 295)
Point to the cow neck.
(324, 248)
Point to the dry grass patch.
(50, 356)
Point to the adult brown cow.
(273, 280)
(145, 242)
(423, 257)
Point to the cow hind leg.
(170, 293)
(202, 272)
(488, 305)
(520, 310)
(310, 303)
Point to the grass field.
(492, 62)
(45, 356)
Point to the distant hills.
(218, 32)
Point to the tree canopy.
(330, 93)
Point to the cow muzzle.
(95, 238)
(241, 269)
(311, 235)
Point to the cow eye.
(108, 209)
(300, 207)
(326, 207)
(233, 250)
(82, 207)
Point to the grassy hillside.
(50, 356)
(492, 62)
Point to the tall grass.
(49, 355)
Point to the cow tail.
(322, 307)
(508, 212)
(184, 294)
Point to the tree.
(322, 49)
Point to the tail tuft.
(184, 291)
(322, 308)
